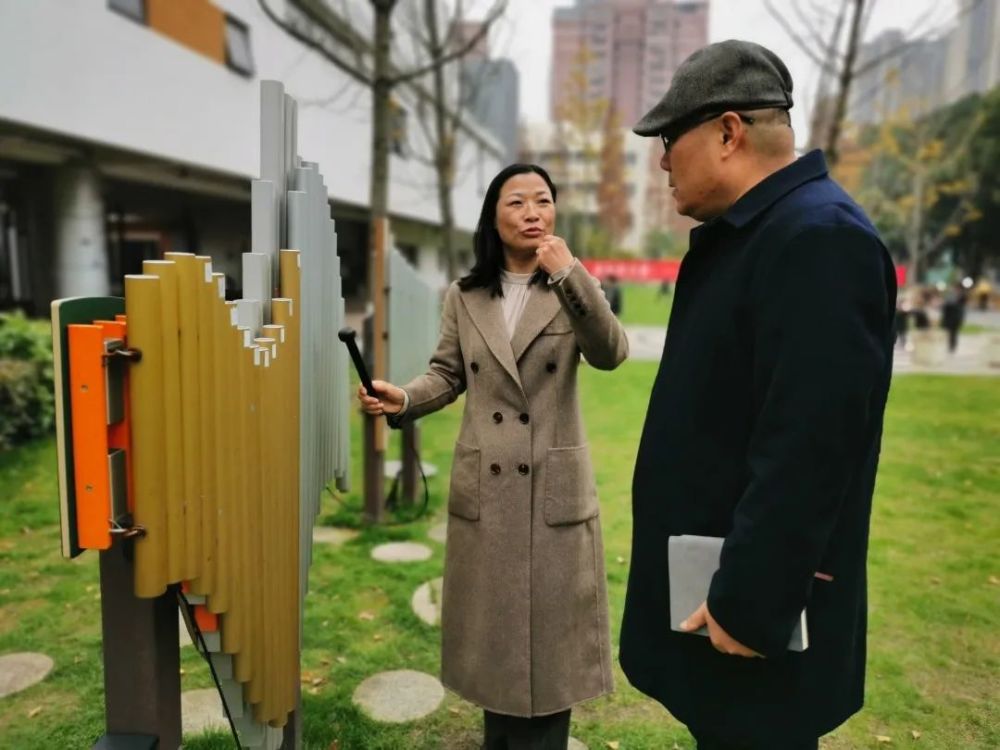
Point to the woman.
(524, 618)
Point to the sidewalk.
(646, 345)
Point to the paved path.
(646, 345)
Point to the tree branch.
(498, 9)
(801, 43)
(341, 65)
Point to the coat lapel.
(541, 308)
(487, 316)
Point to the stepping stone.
(20, 671)
(426, 601)
(575, 744)
(392, 468)
(397, 552)
(333, 535)
(201, 711)
(438, 533)
(400, 696)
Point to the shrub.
(27, 402)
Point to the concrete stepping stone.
(333, 535)
(438, 533)
(392, 468)
(401, 552)
(20, 671)
(426, 601)
(575, 744)
(399, 696)
(201, 711)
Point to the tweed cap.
(731, 75)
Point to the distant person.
(613, 291)
(524, 615)
(902, 320)
(953, 314)
(765, 419)
(666, 289)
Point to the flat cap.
(730, 75)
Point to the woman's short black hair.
(486, 241)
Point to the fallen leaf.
(995, 581)
(934, 581)
(614, 744)
(455, 710)
(883, 739)
(34, 712)
(915, 734)
(366, 616)
(325, 662)
(183, 673)
(313, 691)
(620, 559)
(342, 660)
(334, 745)
(318, 681)
(26, 530)
(377, 637)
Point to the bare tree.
(819, 34)
(370, 63)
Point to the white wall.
(77, 68)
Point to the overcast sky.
(526, 38)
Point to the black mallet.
(349, 337)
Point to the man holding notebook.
(753, 484)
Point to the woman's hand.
(390, 399)
(553, 255)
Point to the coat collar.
(487, 315)
(774, 187)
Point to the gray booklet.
(693, 561)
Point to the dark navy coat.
(764, 427)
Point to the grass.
(934, 649)
(643, 305)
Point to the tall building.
(973, 64)
(491, 90)
(628, 50)
(898, 76)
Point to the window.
(239, 56)
(134, 9)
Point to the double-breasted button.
(495, 468)
(524, 419)
(497, 417)
(475, 367)
(523, 469)
(550, 367)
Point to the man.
(765, 418)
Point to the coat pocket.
(463, 496)
(570, 494)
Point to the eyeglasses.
(670, 140)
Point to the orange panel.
(197, 24)
(90, 436)
(207, 622)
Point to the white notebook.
(693, 561)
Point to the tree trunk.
(444, 148)
(846, 78)
(917, 226)
(374, 448)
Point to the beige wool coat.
(524, 609)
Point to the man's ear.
(730, 125)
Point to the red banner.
(660, 270)
(633, 270)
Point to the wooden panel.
(197, 24)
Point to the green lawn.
(934, 649)
(643, 305)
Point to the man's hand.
(553, 255)
(721, 640)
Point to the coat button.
(495, 468)
(550, 367)
(475, 367)
(523, 470)
(524, 418)
(497, 417)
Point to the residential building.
(491, 91)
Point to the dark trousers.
(519, 733)
(706, 743)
